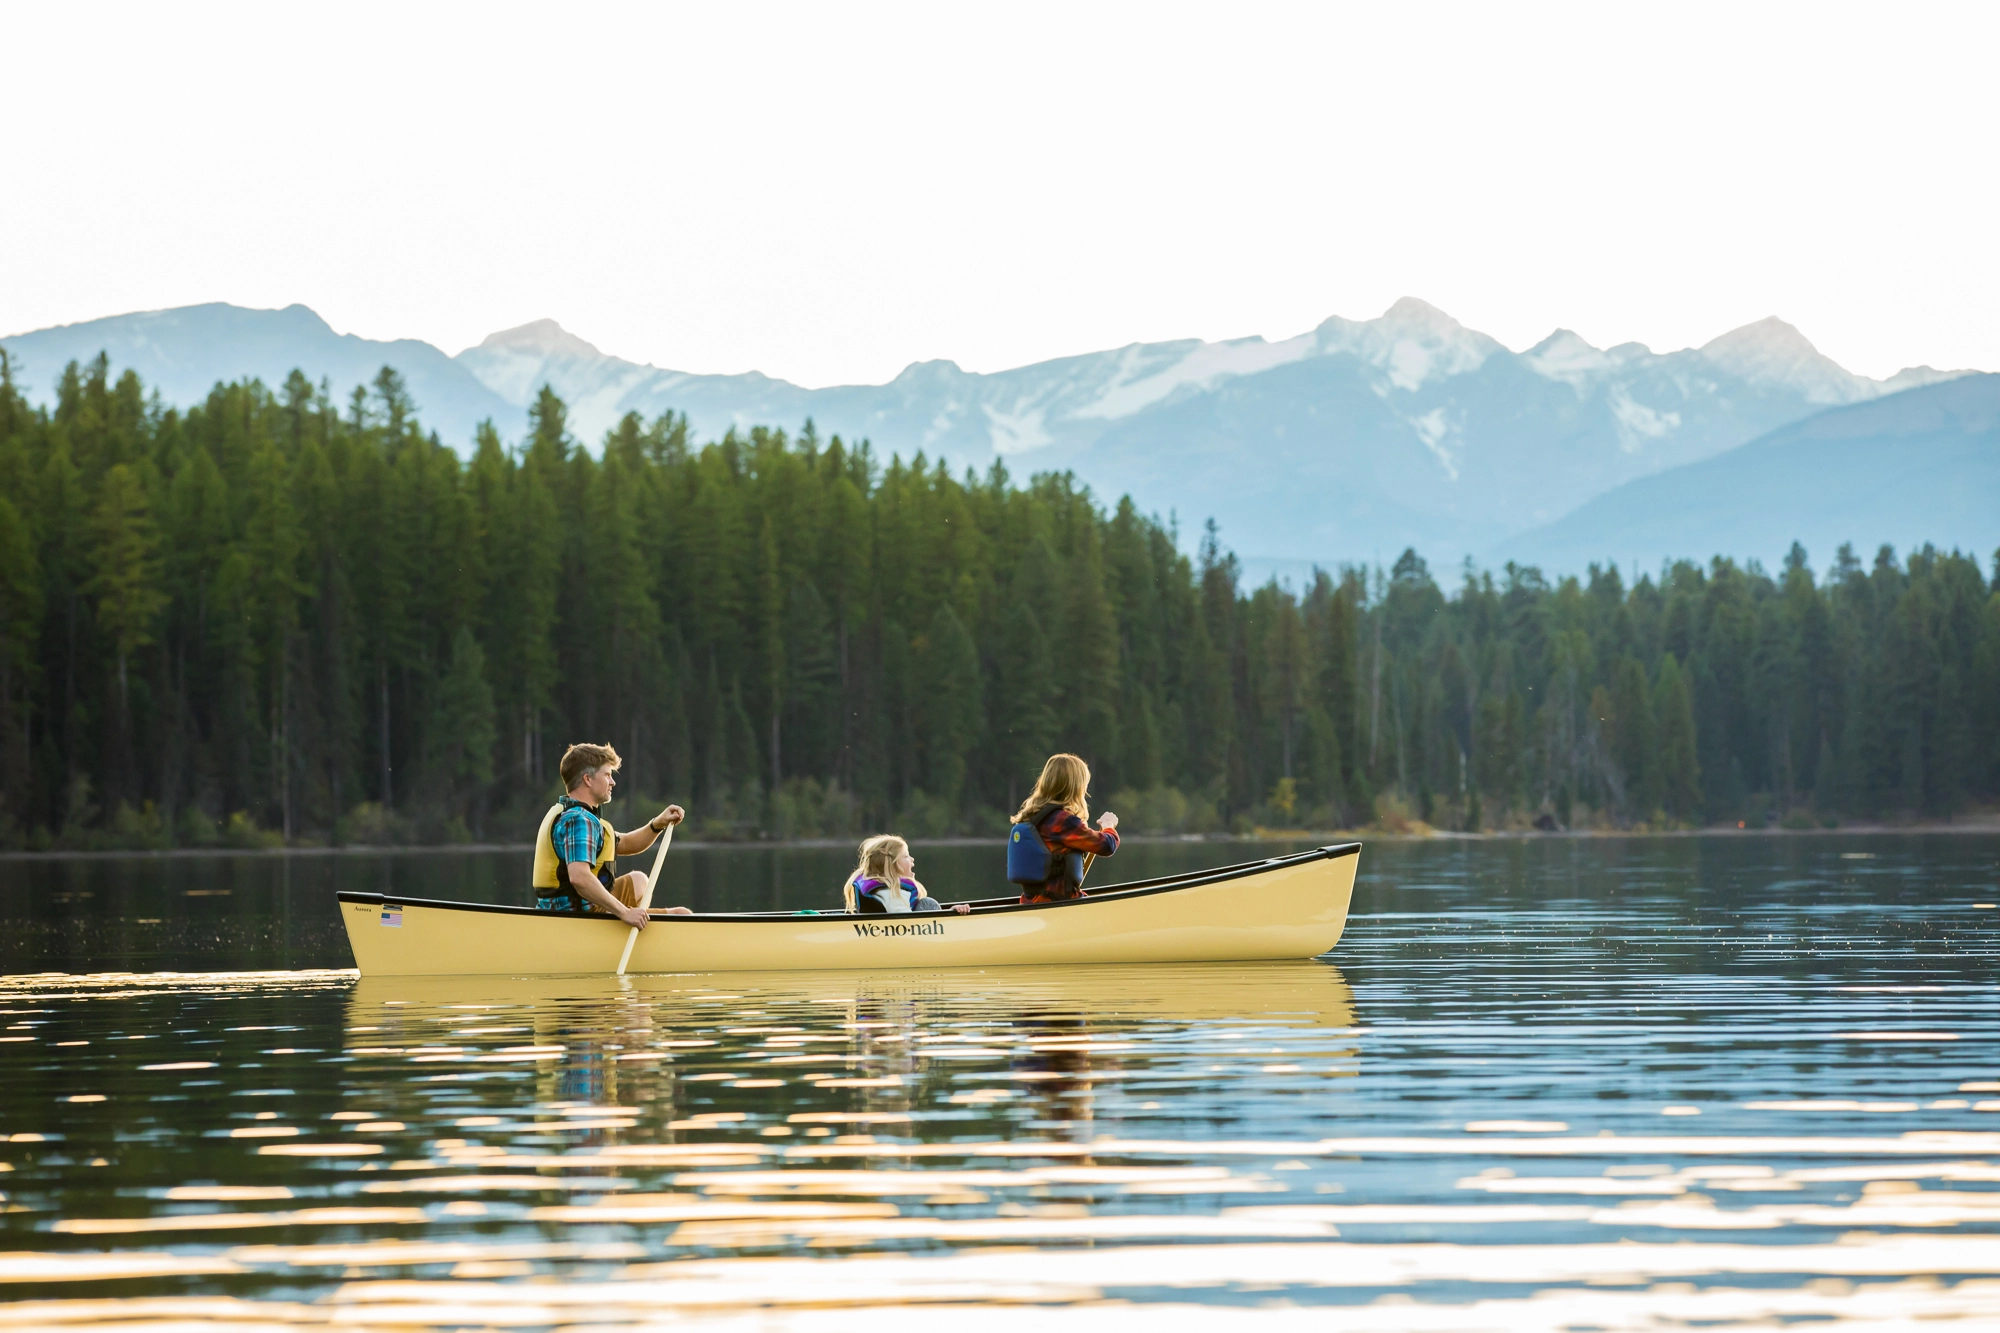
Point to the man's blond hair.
(580, 761)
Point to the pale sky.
(828, 192)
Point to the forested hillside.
(281, 615)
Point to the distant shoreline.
(1973, 824)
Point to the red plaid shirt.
(1062, 831)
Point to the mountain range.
(1348, 442)
(183, 353)
(1907, 469)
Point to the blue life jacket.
(1029, 861)
(880, 889)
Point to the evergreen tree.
(1499, 739)
(127, 579)
(1679, 774)
(1323, 764)
(1631, 736)
(1088, 660)
(273, 543)
(1024, 723)
(20, 617)
(947, 685)
(68, 555)
(771, 641)
(675, 688)
(811, 687)
(1283, 668)
(524, 608)
(463, 726)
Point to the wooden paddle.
(645, 902)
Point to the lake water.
(1607, 1084)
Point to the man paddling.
(576, 845)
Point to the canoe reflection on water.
(1306, 991)
(820, 1053)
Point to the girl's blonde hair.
(1065, 781)
(879, 855)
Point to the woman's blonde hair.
(879, 855)
(1065, 781)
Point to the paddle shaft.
(646, 901)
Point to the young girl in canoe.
(1059, 809)
(886, 880)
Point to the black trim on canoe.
(981, 906)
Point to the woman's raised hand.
(1107, 820)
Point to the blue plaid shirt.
(578, 834)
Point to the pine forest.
(288, 616)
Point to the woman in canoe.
(1058, 809)
(886, 880)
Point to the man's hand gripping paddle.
(646, 902)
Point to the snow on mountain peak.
(1566, 356)
(1768, 337)
(1419, 318)
(541, 337)
(1773, 352)
(516, 362)
(1141, 376)
(1413, 341)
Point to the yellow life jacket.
(551, 877)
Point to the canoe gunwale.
(980, 907)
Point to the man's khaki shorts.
(626, 889)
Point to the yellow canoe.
(1284, 907)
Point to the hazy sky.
(828, 192)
